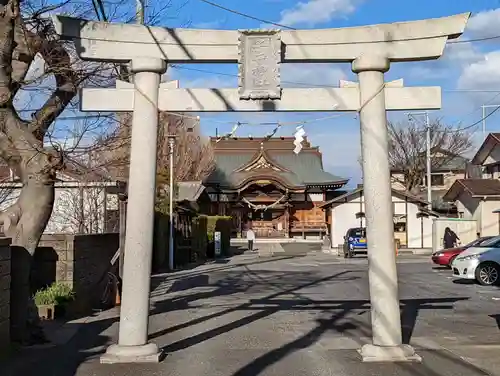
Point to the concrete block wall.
(53, 261)
(91, 260)
(5, 258)
(78, 260)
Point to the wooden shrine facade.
(264, 184)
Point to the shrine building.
(263, 183)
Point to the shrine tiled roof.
(239, 163)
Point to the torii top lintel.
(401, 41)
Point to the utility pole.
(171, 146)
(428, 159)
(427, 153)
(484, 107)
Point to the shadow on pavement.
(348, 318)
(62, 360)
(159, 278)
(343, 317)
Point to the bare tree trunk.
(32, 212)
(21, 146)
(35, 206)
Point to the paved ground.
(297, 313)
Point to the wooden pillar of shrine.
(218, 200)
(287, 219)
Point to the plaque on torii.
(259, 64)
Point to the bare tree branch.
(407, 149)
(67, 82)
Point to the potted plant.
(51, 301)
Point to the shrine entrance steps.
(277, 240)
(277, 249)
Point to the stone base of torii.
(259, 54)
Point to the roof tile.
(481, 187)
(303, 169)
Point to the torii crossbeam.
(228, 100)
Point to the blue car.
(355, 242)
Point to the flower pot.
(47, 311)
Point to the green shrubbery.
(199, 237)
(223, 225)
(56, 294)
(201, 241)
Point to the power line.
(482, 116)
(292, 28)
(245, 15)
(479, 121)
(309, 44)
(320, 85)
(468, 126)
(85, 117)
(235, 75)
(474, 40)
(282, 123)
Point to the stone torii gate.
(259, 54)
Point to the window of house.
(436, 180)
(494, 171)
(490, 170)
(400, 227)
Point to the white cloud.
(461, 53)
(427, 71)
(311, 75)
(209, 82)
(484, 24)
(292, 75)
(36, 69)
(215, 24)
(312, 12)
(339, 157)
(483, 74)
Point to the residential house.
(446, 168)
(479, 198)
(488, 157)
(86, 200)
(412, 221)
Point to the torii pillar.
(382, 271)
(259, 54)
(133, 343)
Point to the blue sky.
(464, 66)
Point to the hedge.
(199, 237)
(202, 239)
(222, 224)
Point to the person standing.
(450, 238)
(250, 238)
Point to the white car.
(480, 263)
